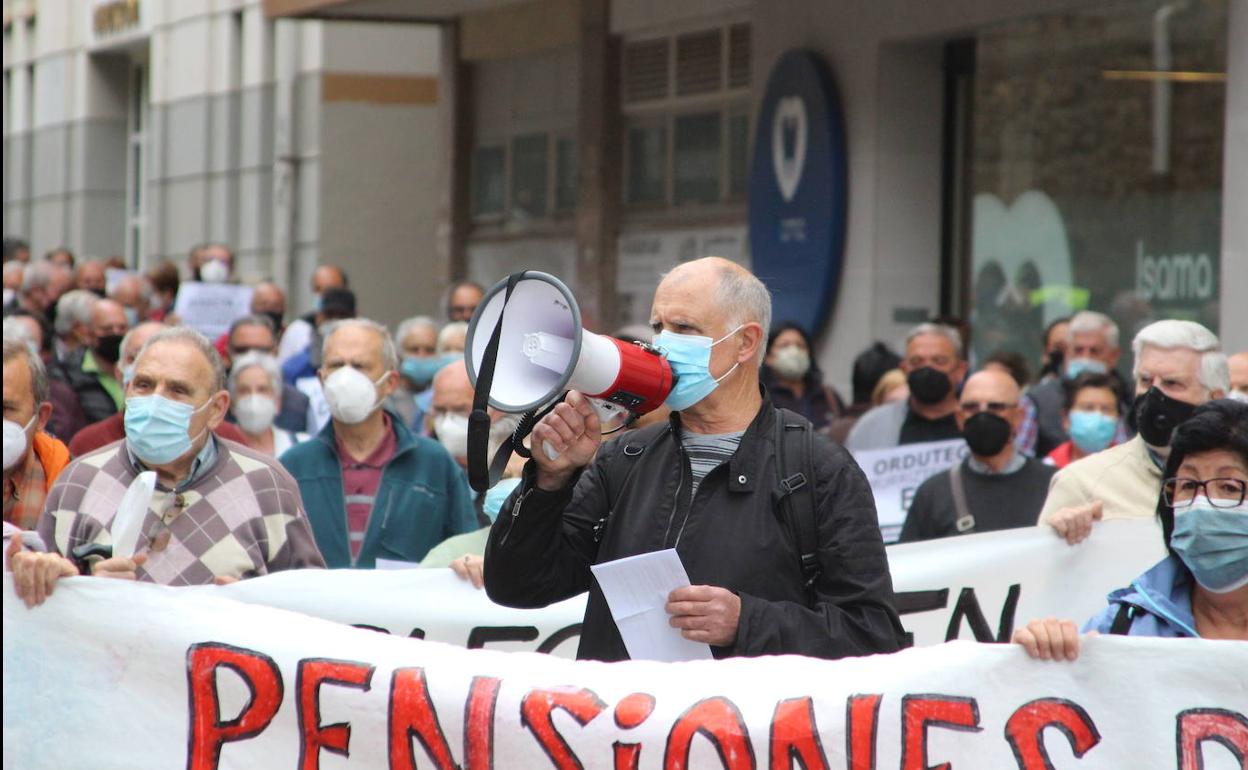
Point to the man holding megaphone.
(776, 527)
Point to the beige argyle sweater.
(241, 518)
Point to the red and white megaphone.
(542, 352)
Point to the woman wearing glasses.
(1201, 588)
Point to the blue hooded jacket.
(1161, 599)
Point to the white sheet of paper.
(395, 564)
(636, 589)
(127, 523)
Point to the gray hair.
(145, 287)
(1213, 372)
(186, 334)
(38, 275)
(747, 299)
(74, 307)
(263, 360)
(940, 330)
(14, 346)
(254, 319)
(1092, 322)
(16, 327)
(389, 354)
(13, 266)
(413, 323)
(450, 330)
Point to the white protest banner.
(895, 475)
(971, 587)
(432, 604)
(112, 675)
(211, 307)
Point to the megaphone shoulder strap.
(481, 473)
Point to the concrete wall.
(379, 164)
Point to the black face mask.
(928, 385)
(99, 293)
(1054, 365)
(986, 433)
(108, 348)
(276, 318)
(1157, 415)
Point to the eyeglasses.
(996, 407)
(1221, 492)
(158, 536)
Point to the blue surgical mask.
(422, 370)
(1092, 431)
(158, 429)
(1077, 366)
(690, 358)
(132, 316)
(496, 495)
(1213, 543)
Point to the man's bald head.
(720, 293)
(135, 339)
(993, 391)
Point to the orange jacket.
(53, 456)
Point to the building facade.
(143, 127)
(1008, 162)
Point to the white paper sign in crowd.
(976, 587)
(895, 475)
(210, 308)
(113, 675)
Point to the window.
(1093, 177)
(529, 173)
(686, 109)
(565, 174)
(489, 181)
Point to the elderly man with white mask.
(373, 488)
(1179, 365)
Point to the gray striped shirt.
(707, 451)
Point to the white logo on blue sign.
(788, 144)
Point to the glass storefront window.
(1095, 170)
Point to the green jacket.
(422, 500)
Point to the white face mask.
(452, 430)
(255, 412)
(791, 362)
(214, 271)
(16, 441)
(351, 395)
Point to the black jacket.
(729, 535)
(96, 402)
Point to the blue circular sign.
(798, 190)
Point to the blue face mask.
(690, 358)
(496, 495)
(422, 370)
(157, 428)
(1213, 543)
(1077, 366)
(1092, 431)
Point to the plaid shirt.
(27, 490)
(242, 516)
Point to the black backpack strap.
(1123, 620)
(795, 491)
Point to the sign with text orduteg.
(799, 189)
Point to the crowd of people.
(327, 441)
